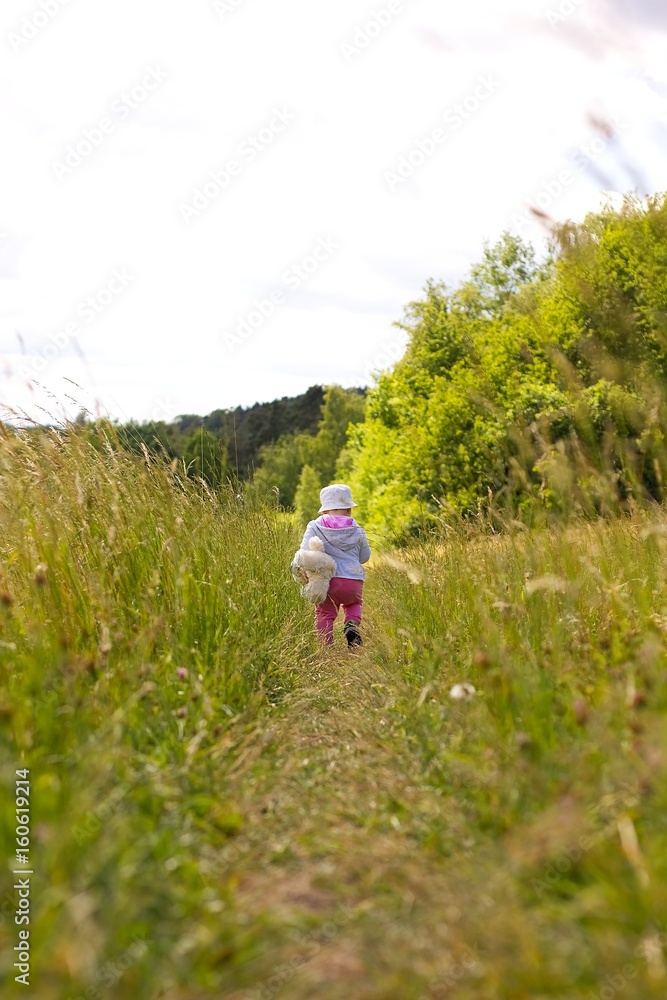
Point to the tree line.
(532, 385)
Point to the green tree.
(282, 463)
(280, 466)
(206, 458)
(341, 408)
(504, 268)
(533, 383)
(307, 499)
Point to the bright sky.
(359, 149)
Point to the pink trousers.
(349, 594)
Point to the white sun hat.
(336, 497)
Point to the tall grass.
(207, 784)
(542, 780)
(141, 617)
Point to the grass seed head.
(549, 584)
(105, 641)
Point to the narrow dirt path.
(331, 861)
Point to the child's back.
(344, 540)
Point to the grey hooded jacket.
(348, 546)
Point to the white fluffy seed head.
(462, 692)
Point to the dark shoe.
(352, 634)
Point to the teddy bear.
(313, 569)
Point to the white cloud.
(644, 11)
(324, 174)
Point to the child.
(346, 542)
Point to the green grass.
(282, 821)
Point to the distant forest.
(290, 447)
(242, 431)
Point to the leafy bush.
(527, 380)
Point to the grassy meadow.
(219, 808)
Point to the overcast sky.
(217, 202)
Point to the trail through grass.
(221, 809)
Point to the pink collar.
(336, 521)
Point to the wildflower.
(462, 692)
(634, 698)
(182, 673)
(481, 659)
(580, 709)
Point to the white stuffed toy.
(313, 569)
